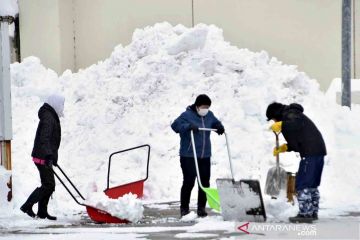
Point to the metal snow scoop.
(240, 200)
(276, 180)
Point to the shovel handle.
(208, 129)
(227, 146)
(195, 159)
(277, 147)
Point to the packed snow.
(9, 8)
(132, 97)
(334, 90)
(125, 207)
(189, 217)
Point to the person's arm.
(181, 125)
(46, 127)
(292, 125)
(218, 125)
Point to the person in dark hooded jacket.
(45, 155)
(302, 136)
(196, 116)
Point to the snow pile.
(132, 97)
(9, 8)
(334, 90)
(125, 207)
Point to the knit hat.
(274, 111)
(202, 99)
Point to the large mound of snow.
(132, 97)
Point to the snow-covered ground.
(132, 97)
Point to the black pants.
(189, 174)
(42, 194)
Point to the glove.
(54, 162)
(282, 148)
(276, 127)
(194, 127)
(49, 161)
(220, 130)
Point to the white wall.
(39, 33)
(77, 33)
(66, 32)
(101, 25)
(299, 32)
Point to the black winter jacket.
(48, 134)
(301, 133)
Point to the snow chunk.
(9, 8)
(192, 39)
(189, 217)
(126, 207)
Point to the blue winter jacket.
(182, 125)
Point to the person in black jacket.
(302, 136)
(45, 155)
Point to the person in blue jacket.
(196, 116)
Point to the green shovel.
(212, 194)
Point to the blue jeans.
(309, 173)
(308, 179)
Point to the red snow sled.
(101, 216)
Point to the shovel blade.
(212, 196)
(241, 200)
(276, 182)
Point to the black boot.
(28, 210)
(184, 211)
(301, 219)
(46, 215)
(201, 212)
(42, 210)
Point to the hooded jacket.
(300, 132)
(48, 134)
(182, 125)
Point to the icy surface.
(132, 97)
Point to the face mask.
(202, 111)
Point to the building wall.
(66, 32)
(303, 33)
(77, 33)
(39, 31)
(101, 25)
